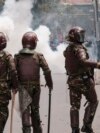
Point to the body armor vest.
(72, 63)
(28, 68)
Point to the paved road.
(60, 122)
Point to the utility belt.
(79, 79)
(29, 83)
(83, 75)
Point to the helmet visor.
(81, 36)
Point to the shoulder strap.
(36, 56)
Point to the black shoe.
(87, 129)
(75, 130)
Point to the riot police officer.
(28, 63)
(80, 72)
(8, 80)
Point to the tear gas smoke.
(55, 59)
(5, 24)
(21, 17)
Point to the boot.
(75, 130)
(87, 129)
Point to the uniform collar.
(26, 51)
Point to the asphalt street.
(60, 120)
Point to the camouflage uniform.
(8, 81)
(28, 64)
(81, 81)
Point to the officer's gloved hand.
(49, 81)
(14, 91)
(49, 86)
(98, 65)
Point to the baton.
(49, 111)
(12, 111)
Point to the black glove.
(14, 91)
(49, 81)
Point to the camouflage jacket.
(8, 75)
(77, 60)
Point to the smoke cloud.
(5, 24)
(20, 16)
(17, 19)
(55, 59)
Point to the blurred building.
(61, 15)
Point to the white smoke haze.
(5, 24)
(20, 15)
(54, 59)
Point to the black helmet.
(29, 40)
(76, 34)
(3, 41)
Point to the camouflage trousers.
(76, 91)
(5, 96)
(31, 116)
(3, 115)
